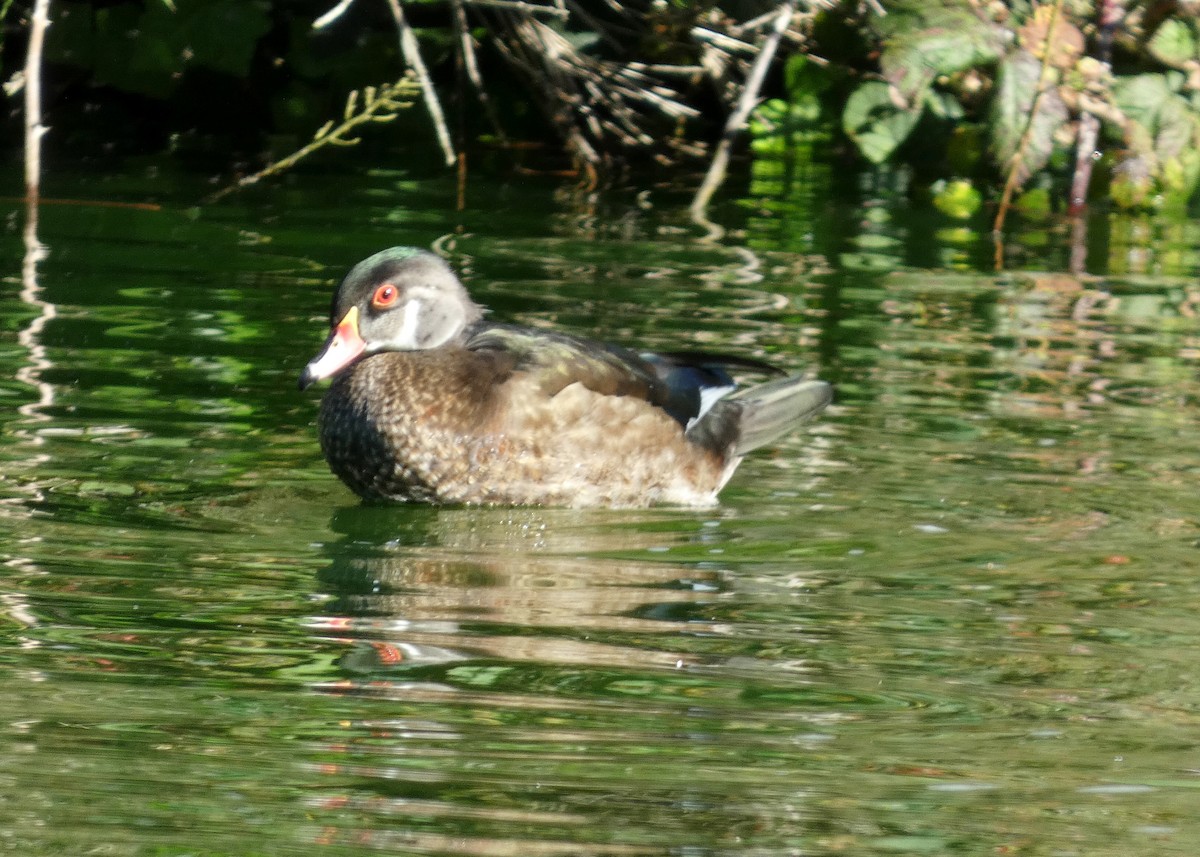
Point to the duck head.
(402, 299)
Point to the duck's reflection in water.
(509, 664)
(518, 585)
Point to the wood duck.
(431, 402)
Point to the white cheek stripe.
(406, 339)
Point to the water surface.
(956, 616)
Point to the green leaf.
(802, 76)
(1018, 80)
(769, 116)
(875, 123)
(1162, 123)
(1181, 175)
(131, 57)
(1131, 183)
(72, 38)
(1174, 43)
(145, 49)
(1017, 131)
(944, 105)
(223, 35)
(1141, 96)
(1035, 201)
(957, 198)
(965, 148)
(958, 40)
(1175, 129)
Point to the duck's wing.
(695, 381)
(726, 418)
(684, 385)
(556, 360)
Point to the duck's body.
(446, 407)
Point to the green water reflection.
(957, 616)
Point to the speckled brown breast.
(457, 426)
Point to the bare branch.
(722, 41)
(737, 119)
(412, 56)
(574, 138)
(471, 65)
(34, 129)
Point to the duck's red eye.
(384, 296)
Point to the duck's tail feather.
(755, 416)
(771, 410)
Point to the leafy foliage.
(1027, 74)
(145, 47)
(1161, 132)
(5, 6)
(1003, 93)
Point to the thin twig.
(598, 104)
(471, 65)
(412, 56)
(611, 33)
(752, 24)
(1013, 181)
(614, 6)
(724, 42)
(1079, 250)
(669, 70)
(667, 106)
(378, 105)
(527, 8)
(737, 119)
(332, 15)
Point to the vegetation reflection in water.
(958, 616)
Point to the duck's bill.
(344, 344)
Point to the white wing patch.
(709, 396)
